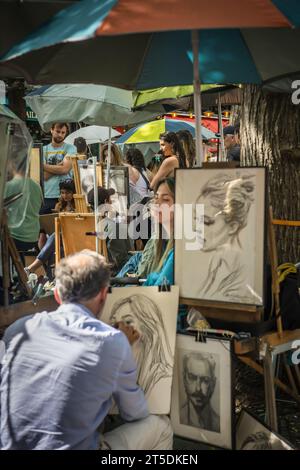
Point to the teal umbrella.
(88, 103)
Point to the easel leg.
(270, 392)
(297, 372)
(251, 363)
(18, 265)
(57, 241)
(289, 374)
(5, 268)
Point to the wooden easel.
(79, 198)
(74, 228)
(9, 250)
(273, 344)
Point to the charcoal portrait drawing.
(229, 235)
(152, 351)
(199, 383)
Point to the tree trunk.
(270, 136)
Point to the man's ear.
(56, 296)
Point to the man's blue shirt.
(54, 156)
(58, 377)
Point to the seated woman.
(65, 204)
(156, 261)
(66, 201)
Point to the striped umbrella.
(150, 131)
(141, 45)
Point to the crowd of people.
(146, 188)
(82, 363)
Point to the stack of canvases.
(226, 257)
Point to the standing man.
(199, 383)
(56, 165)
(232, 145)
(62, 369)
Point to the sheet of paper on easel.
(154, 315)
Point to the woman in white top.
(139, 177)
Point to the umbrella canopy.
(90, 41)
(151, 131)
(20, 18)
(91, 104)
(92, 134)
(165, 94)
(181, 97)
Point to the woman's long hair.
(188, 145)
(171, 138)
(135, 158)
(155, 356)
(116, 156)
(163, 251)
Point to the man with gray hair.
(62, 369)
(199, 382)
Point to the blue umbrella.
(150, 131)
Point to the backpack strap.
(144, 178)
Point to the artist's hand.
(132, 334)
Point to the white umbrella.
(92, 134)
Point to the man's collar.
(76, 306)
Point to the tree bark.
(270, 136)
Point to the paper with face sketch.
(220, 234)
(154, 315)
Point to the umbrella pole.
(108, 157)
(221, 129)
(96, 200)
(197, 98)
